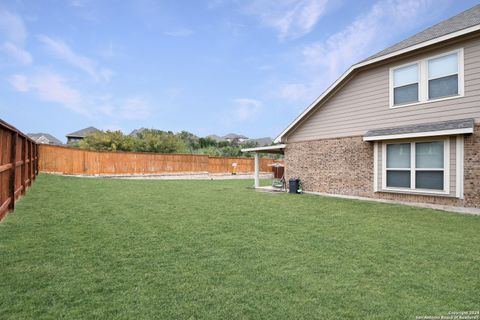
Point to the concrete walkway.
(179, 176)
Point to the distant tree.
(225, 143)
(152, 140)
(207, 142)
(249, 144)
(210, 151)
(190, 140)
(107, 141)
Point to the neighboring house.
(79, 135)
(215, 137)
(136, 132)
(233, 137)
(44, 138)
(262, 142)
(403, 125)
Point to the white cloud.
(20, 83)
(294, 91)
(182, 32)
(246, 109)
(14, 32)
(107, 52)
(12, 27)
(366, 34)
(62, 51)
(18, 53)
(290, 18)
(106, 74)
(77, 3)
(135, 108)
(324, 61)
(50, 87)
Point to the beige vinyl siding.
(363, 103)
(453, 166)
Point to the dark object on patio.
(293, 185)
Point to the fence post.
(34, 165)
(13, 161)
(24, 166)
(37, 162)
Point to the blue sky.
(215, 66)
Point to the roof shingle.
(463, 20)
(423, 127)
(83, 133)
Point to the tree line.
(153, 140)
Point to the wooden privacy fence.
(18, 166)
(65, 160)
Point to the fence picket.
(14, 163)
(65, 160)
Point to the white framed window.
(406, 84)
(419, 166)
(431, 79)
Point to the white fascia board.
(257, 149)
(419, 134)
(371, 61)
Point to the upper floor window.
(443, 76)
(405, 84)
(429, 79)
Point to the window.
(398, 165)
(443, 76)
(429, 165)
(427, 80)
(405, 84)
(416, 165)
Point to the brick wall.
(472, 169)
(345, 166)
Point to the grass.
(116, 249)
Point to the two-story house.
(403, 125)
(79, 135)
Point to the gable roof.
(136, 132)
(234, 136)
(42, 137)
(464, 23)
(83, 132)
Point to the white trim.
(459, 167)
(413, 167)
(267, 148)
(375, 166)
(446, 165)
(384, 165)
(419, 191)
(371, 61)
(426, 102)
(423, 79)
(420, 134)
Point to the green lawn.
(117, 249)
